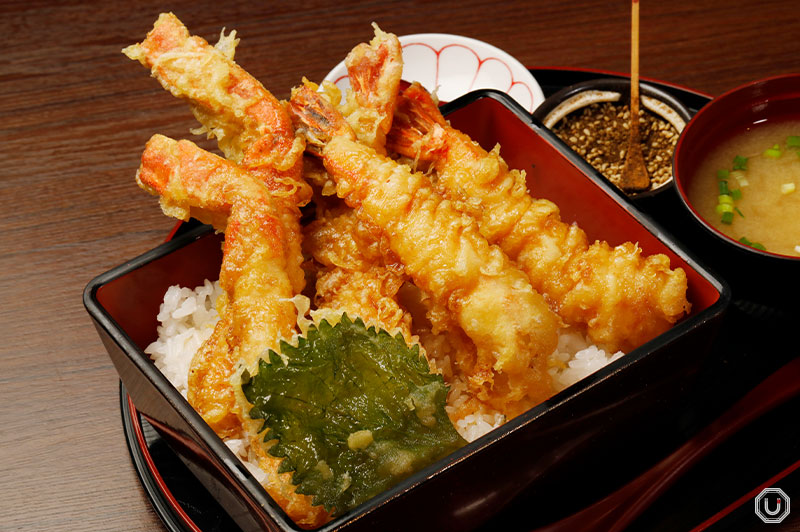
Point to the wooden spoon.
(634, 174)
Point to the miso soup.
(749, 188)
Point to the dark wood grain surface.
(74, 117)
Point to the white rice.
(240, 447)
(473, 426)
(188, 317)
(576, 357)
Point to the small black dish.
(579, 95)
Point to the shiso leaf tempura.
(352, 411)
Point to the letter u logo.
(771, 512)
(781, 505)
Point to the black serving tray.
(755, 341)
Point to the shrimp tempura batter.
(257, 311)
(250, 124)
(443, 252)
(622, 298)
(353, 275)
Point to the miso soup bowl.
(539, 467)
(757, 276)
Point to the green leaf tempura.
(352, 411)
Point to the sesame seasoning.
(599, 134)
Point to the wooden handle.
(635, 63)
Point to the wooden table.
(74, 117)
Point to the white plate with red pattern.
(453, 65)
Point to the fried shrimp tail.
(251, 126)
(512, 327)
(620, 297)
(256, 311)
(317, 120)
(352, 272)
(374, 70)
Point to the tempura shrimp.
(196, 183)
(352, 275)
(257, 310)
(359, 273)
(251, 126)
(620, 297)
(443, 252)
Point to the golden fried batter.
(250, 124)
(256, 311)
(622, 298)
(443, 252)
(352, 276)
(370, 295)
(374, 70)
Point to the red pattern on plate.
(481, 62)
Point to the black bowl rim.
(243, 476)
(622, 85)
(710, 229)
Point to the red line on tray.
(137, 428)
(745, 498)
